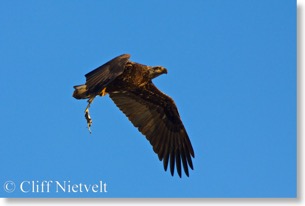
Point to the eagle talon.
(103, 92)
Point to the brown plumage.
(155, 114)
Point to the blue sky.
(231, 71)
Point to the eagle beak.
(156, 71)
(161, 70)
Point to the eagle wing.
(156, 116)
(99, 78)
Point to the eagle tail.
(80, 92)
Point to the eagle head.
(156, 71)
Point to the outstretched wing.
(99, 78)
(156, 116)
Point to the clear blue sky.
(231, 71)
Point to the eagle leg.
(103, 92)
(87, 114)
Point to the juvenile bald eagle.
(155, 114)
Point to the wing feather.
(162, 145)
(163, 134)
(178, 162)
(167, 150)
(172, 160)
(184, 163)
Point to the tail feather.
(80, 92)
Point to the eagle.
(129, 85)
